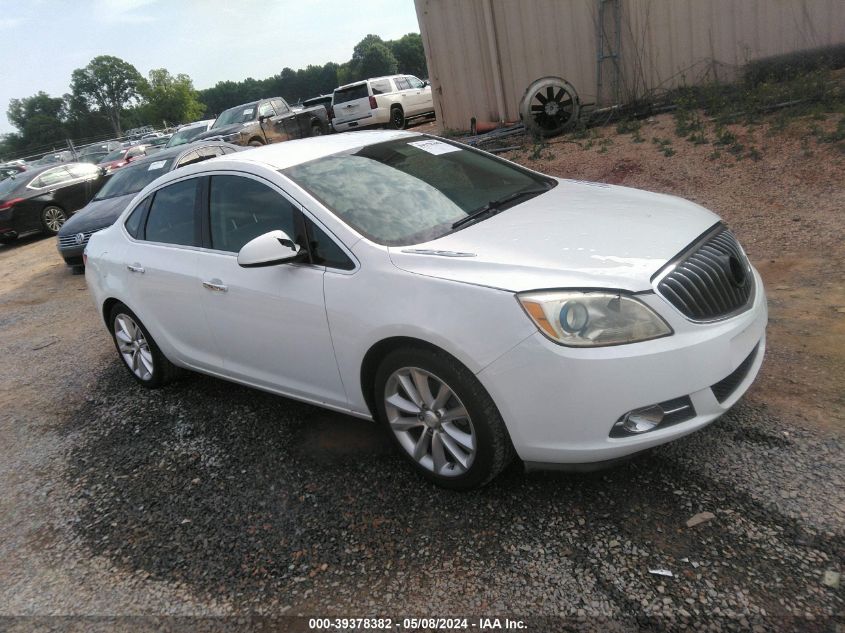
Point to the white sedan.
(475, 308)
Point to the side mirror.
(262, 118)
(426, 83)
(269, 249)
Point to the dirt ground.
(209, 499)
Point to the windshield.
(239, 114)
(184, 136)
(358, 91)
(412, 190)
(133, 178)
(115, 155)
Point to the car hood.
(579, 234)
(96, 214)
(224, 130)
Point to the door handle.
(216, 287)
(134, 269)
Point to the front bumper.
(560, 403)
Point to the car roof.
(296, 152)
(363, 81)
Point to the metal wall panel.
(664, 43)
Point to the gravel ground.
(208, 499)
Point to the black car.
(43, 198)
(118, 192)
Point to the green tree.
(109, 83)
(410, 54)
(39, 119)
(169, 99)
(371, 57)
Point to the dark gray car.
(119, 190)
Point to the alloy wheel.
(54, 218)
(430, 421)
(133, 346)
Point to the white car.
(475, 308)
(382, 101)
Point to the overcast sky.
(43, 41)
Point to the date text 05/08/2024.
(416, 624)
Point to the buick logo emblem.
(736, 271)
(79, 238)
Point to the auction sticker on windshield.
(156, 165)
(435, 147)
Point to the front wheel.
(441, 418)
(52, 218)
(255, 143)
(137, 349)
(316, 129)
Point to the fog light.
(641, 420)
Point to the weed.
(714, 155)
(664, 145)
(537, 151)
(628, 126)
(754, 154)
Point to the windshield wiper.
(495, 206)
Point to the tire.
(461, 453)
(8, 240)
(397, 119)
(316, 129)
(255, 143)
(150, 369)
(52, 218)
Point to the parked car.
(156, 140)
(186, 133)
(473, 307)
(10, 169)
(43, 198)
(381, 101)
(118, 192)
(266, 121)
(98, 151)
(122, 156)
(54, 158)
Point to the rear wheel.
(441, 418)
(52, 218)
(397, 119)
(137, 349)
(316, 129)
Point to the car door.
(48, 188)
(292, 122)
(269, 322)
(406, 95)
(161, 275)
(275, 128)
(87, 180)
(419, 96)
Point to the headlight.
(592, 319)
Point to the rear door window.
(402, 84)
(51, 177)
(171, 219)
(381, 86)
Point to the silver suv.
(382, 101)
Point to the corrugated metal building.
(483, 54)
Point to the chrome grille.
(710, 281)
(69, 241)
